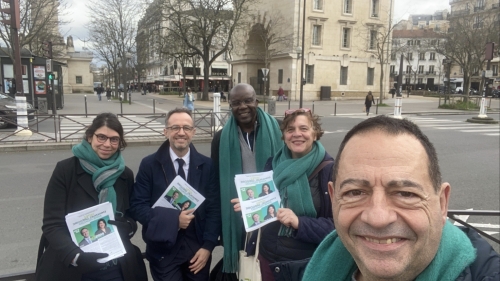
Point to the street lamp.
(229, 66)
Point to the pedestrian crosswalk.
(133, 126)
(447, 124)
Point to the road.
(468, 153)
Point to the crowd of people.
(373, 213)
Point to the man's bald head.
(243, 87)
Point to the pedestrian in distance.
(281, 93)
(188, 100)
(95, 173)
(108, 93)
(100, 90)
(369, 100)
(393, 92)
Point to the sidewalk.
(75, 104)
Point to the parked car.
(8, 107)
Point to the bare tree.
(39, 21)
(465, 42)
(112, 32)
(205, 26)
(273, 38)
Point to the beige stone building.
(340, 49)
(437, 21)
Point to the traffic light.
(47, 49)
(51, 76)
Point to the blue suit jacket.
(161, 225)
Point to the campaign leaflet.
(90, 230)
(259, 199)
(180, 195)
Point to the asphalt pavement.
(143, 116)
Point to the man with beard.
(178, 243)
(243, 146)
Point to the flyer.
(259, 199)
(180, 195)
(91, 232)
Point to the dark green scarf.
(291, 178)
(267, 143)
(332, 261)
(104, 172)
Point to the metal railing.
(138, 125)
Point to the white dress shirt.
(174, 156)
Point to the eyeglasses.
(103, 138)
(291, 111)
(176, 129)
(238, 103)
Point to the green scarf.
(291, 177)
(332, 261)
(267, 143)
(104, 172)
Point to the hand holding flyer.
(259, 199)
(90, 231)
(180, 195)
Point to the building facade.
(340, 48)
(423, 67)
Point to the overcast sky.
(79, 15)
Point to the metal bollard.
(376, 108)
(335, 110)
(264, 103)
(129, 98)
(85, 106)
(289, 100)
(121, 104)
(154, 105)
(313, 108)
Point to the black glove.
(87, 262)
(126, 227)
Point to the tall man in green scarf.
(248, 139)
(390, 212)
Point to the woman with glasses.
(95, 174)
(302, 170)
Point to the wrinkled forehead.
(242, 93)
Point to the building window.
(421, 56)
(409, 42)
(79, 80)
(369, 76)
(417, 42)
(346, 37)
(409, 56)
(393, 56)
(420, 81)
(280, 76)
(431, 69)
(393, 69)
(408, 81)
(318, 5)
(495, 70)
(373, 39)
(420, 69)
(433, 42)
(316, 40)
(309, 74)
(343, 75)
(432, 56)
(408, 69)
(374, 8)
(347, 6)
(239, 77)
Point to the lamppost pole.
(301, 97)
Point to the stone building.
(340, 46)
(437, 22)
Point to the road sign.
(48, 65)
(265, 71)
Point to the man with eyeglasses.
(243, 146)
(178, 243)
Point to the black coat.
(71, 189)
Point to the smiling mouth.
(383, 241)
